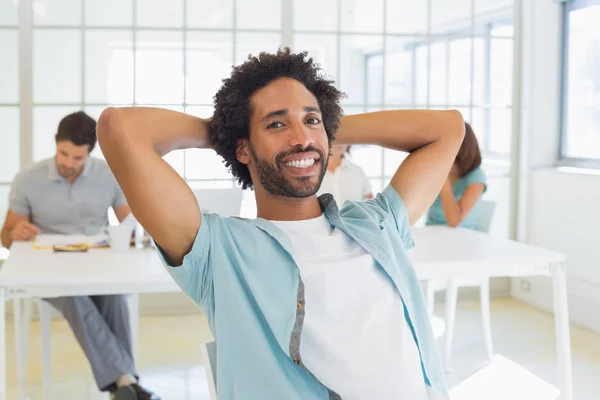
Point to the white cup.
(120, 237)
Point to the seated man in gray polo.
(71, 194)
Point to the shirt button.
(296, 361)
(300, 304)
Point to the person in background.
(344, 179)
(458, 202)
(71, 193)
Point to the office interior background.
(524, 73)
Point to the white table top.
(443, 252)
(97, 271)
(440, 252)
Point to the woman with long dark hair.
(458, 202)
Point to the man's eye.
(313, 121)
(275, 125)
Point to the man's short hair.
(78, 128)
(231, 119)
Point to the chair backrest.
(209, 355)
(485, 215)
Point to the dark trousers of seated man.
(101, 326)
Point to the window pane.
(159, 13)
(109, 12)
(400, 71)
(353, 110)
(460, 71)
(159, 68)
(369, 159)
(176, 159)
(479, 124)
(215, 184)
(200, 111)
(45, 125)
(209, 60)
(406, 16)
(8, 13)
(438, 74)
(392, 160)
(4, 191)
(500, 130)
(57, 69)
(109, 67)
(57, 12)
(583, 84)
(355, 51)
(501, 68)
(362, 16)
(9, 66)
(259, 14)
(305, 17)
(322, 48)
(209, 13)
(479, 73)
(254, 43)
(204, 164)
(450, 16)
(10, 148)
(421, 72)
(465, 111)
(374, 82)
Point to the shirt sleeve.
(17, 199)
(194, 275)
(476, 176)
(390, 201)
(119, 198)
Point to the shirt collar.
(54, 175)
(329, 208)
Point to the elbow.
(107, 124)
(456, 125)
(453, 224)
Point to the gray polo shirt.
(57, 206)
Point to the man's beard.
(273, 180)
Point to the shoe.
(134, 392)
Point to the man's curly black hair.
(231, 118)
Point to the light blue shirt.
(243, 275)
(436, 216)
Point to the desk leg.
(18, 323)
(563, 340)
(2, 344)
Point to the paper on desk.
(48, 240)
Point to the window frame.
(563, 159)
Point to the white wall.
(562, 210)
(564, 215)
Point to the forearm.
(405, 130)
(451, 206)
(157, 128)
(6, 237)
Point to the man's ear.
(242, 151)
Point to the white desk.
(30, 273)
(440, 253)
(443, 253)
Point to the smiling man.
(308, 301)
(71, 193)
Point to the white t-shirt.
(347, 182)
(355, 338)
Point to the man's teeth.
(301, 163)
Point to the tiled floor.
(523, 368)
